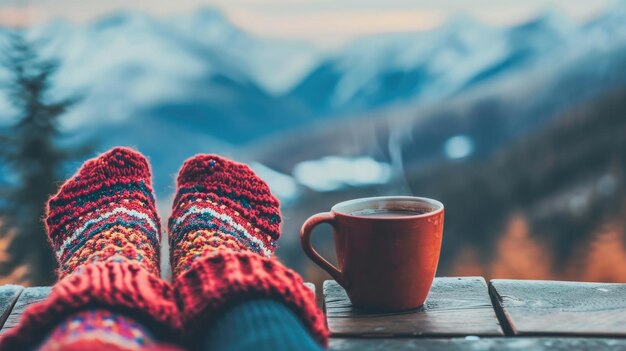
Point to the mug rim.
(336, 208)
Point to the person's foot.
(104, 229)
(221, 205)
(223, 232)
(106, 212)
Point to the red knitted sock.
(104, 229)
(101, 327)
(223, 232)
(106, 213)
(221, 204)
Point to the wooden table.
(460, 314)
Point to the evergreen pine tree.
(31, 157)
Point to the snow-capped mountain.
(196, 83)
(608, 28)
(379, 69)
(131, 64)
(276, 65)
(461, 54)
(201, 75)
(200, 67)
(171, 86)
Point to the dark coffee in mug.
(387, 249)
(387, 213)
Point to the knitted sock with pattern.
(223, 232)
(106, 213)
(219, 205)
(99, 328)
(103, 226)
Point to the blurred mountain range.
(523, 124)
(406, 99)
(196, 83)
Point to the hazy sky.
(324, 22)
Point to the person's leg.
(223, 232)
(104, 229)
(260, 325)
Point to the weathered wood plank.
(8, 296)
(318, 299)
(486, 344)
(455, 307)
(561, 308)
(28, 297)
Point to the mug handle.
(305, 240)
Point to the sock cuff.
(121, 287)
(219, 280)
(97, 345)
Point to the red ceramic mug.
(387, 249)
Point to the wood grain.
(28, 297)
(561, 308)
(482, 344)
(455, 307)
(318, 299)
(8, 295)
